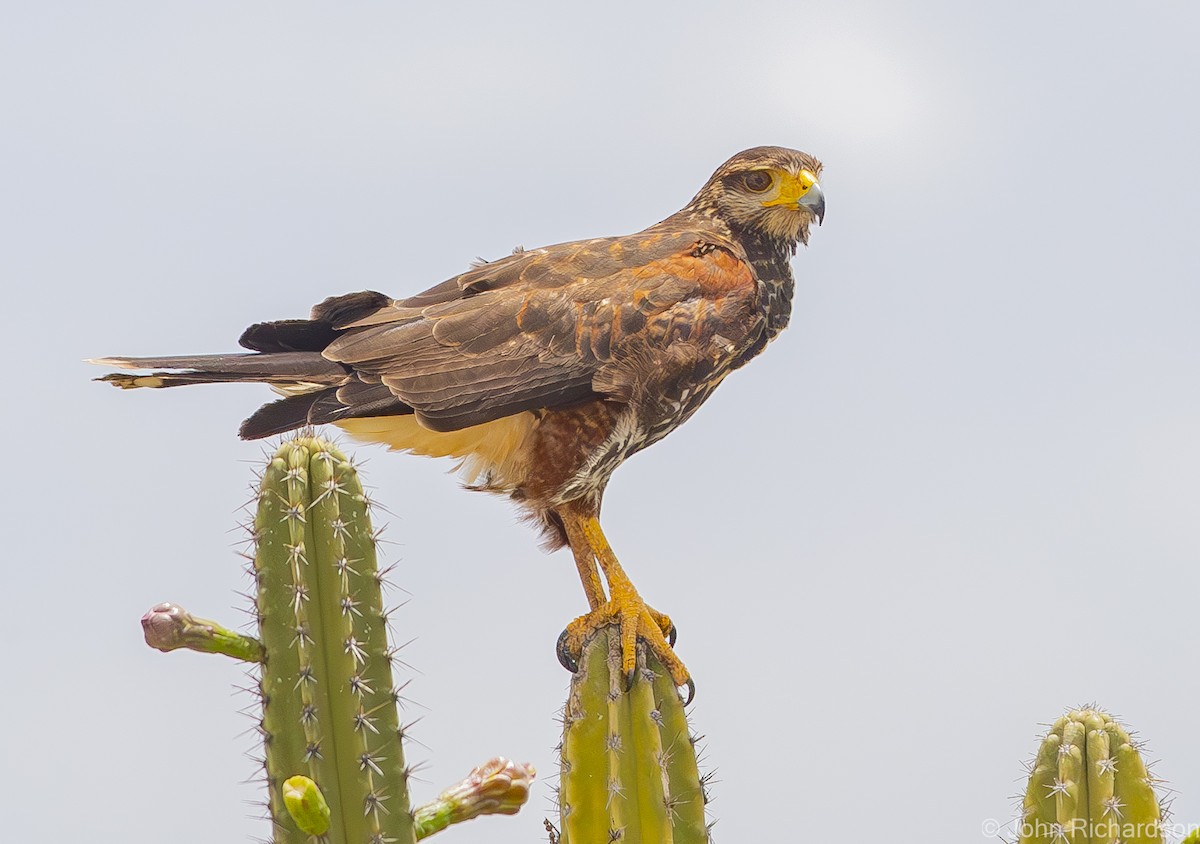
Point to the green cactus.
(329, 708)
(1089, 785)
(629, 769)
(333, 741)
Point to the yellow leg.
(612, 570)
(585, 562)
(624, 606)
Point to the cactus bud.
(306, 804)
(168, 627)
(498, 786)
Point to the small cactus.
(1089, 785)
(629, 768)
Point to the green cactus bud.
(1089, 785)
(168, 627)
(497, 787)
(629, 768)
(306, 804)
(329, 707)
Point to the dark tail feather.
(286, 353)
(273, 368)
(157, 380)
(312, 335)
(286, 414)
(356, 399)
(282, 352)
(320, 407)
(288, 335)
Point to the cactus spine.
(1089, 785)
(629, 769)
(329, 708)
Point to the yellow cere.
(792, 188)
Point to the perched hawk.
(543, 371)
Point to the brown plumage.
(542, 371)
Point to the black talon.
(691, 687)
(672, 634)
(630, 677)
(565, 658)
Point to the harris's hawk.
(543, 371)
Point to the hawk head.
(770, 191)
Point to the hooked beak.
(814, 201)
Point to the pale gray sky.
(959, 495)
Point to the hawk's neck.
(771, 259)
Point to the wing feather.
(533, 330)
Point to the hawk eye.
(757, 180)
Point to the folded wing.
(533, 330)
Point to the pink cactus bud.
(498, 786)
(165, 626)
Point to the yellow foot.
(636, 621)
